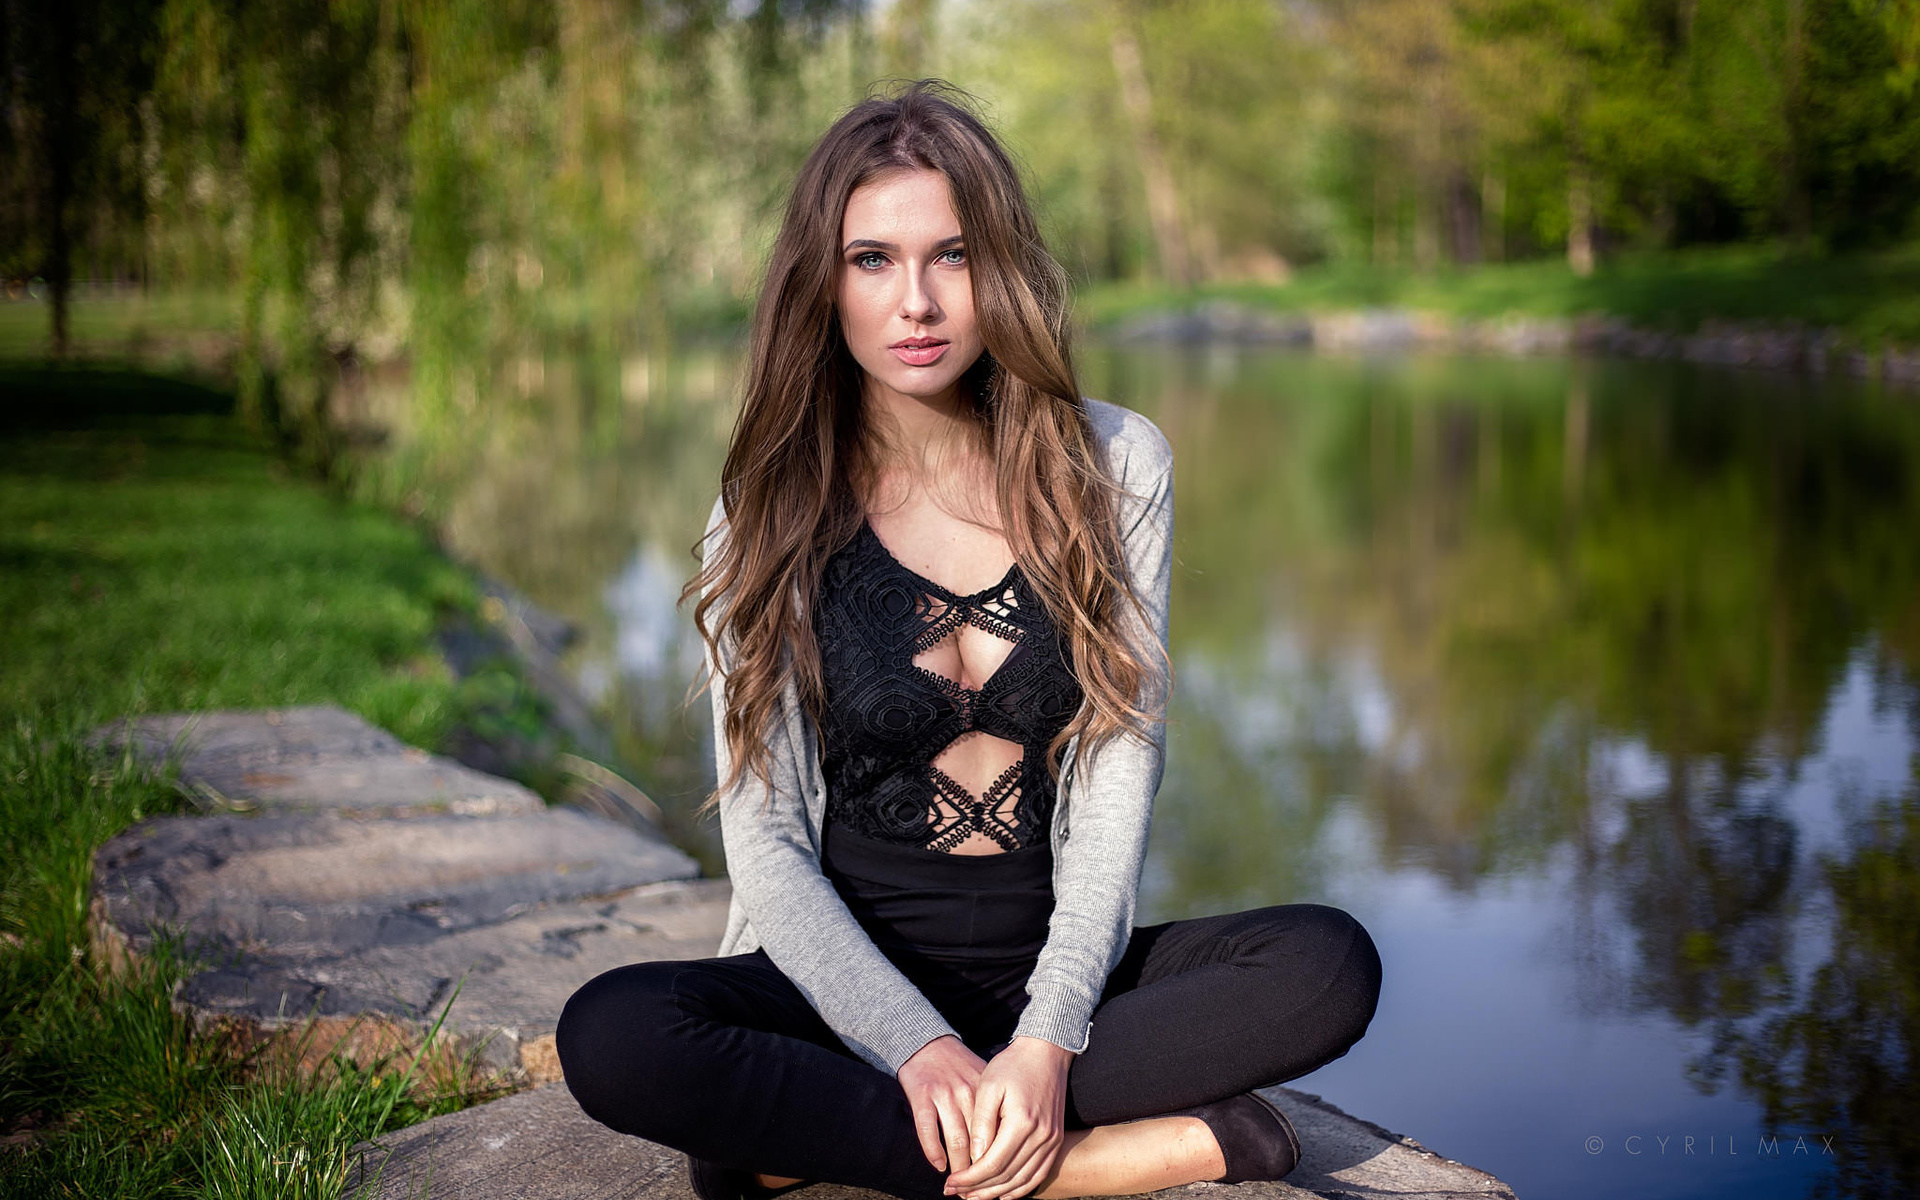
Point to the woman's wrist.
(1047, 1051)
(1057, 1014)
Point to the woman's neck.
(926, 443)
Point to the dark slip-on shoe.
(711, 1181)
(1256, 1139)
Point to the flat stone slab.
(312, 759)
(538, 1145)
(515, 976)
(322, 916)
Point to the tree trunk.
(61, 155)
(1799, 199)
(908, 37)
(1579, 217)
(1493, 216)
(1386, 221)
(1426, 238)
(1163, 198)
(1463, 218)
(1113, 226)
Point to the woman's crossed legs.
(725, 1059)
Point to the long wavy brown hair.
(804, 456)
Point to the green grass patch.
(1872, 298)
(122, 324)
(153, 558)
(105, 1090)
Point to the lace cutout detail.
(913, 755)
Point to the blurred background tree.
(448, 177)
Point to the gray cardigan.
(783, 904)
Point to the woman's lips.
(919, 354)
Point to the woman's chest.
(906, 661)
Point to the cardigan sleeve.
(800, 920)
(1099, 858)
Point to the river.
(1592, 688)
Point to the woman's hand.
(940, 1081)
(1018, 1122)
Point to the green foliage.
(461, 180)
(156, 561)
(1874, 298)
(152, 558)
(56, 797)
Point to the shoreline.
(1761, 345)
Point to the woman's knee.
(615, 1040)
(1351, 969)
(1321, 957)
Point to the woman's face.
(904, 294)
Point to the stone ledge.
(307, 760)
(298, 919)
(538, 1145)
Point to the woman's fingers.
(1036, 1171)
(939, 1081)
(926, 1123)
(992, 1167)
(953, 1127)
(1030, 1167)
(984, 1121)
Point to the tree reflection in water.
(1521, 580)
(1839, 1055)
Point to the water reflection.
(1588, 686)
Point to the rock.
(319, 885)
(539, 1144)
(1368, 331)
(298, 917)
(311, 759)
(1767, 345)
(1218, 321)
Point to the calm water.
(1593, 689)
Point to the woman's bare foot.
(1120, 1160)
(1139, 1156)
(780, 1181)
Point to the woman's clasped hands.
(995, 1127)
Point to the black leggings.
(723, 1058)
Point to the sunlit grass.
(153, 559)
(123, 319)
(107, 1090)
(1874, 298)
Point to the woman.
(935, 594)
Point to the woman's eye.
(955, 257)
(870, 261)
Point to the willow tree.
(75, 74)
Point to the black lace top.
(912, 757)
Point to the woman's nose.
(918, 303)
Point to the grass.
(153, 559)
(105, 1090)
(126, 322)
(1874, 299)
